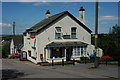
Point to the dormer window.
(58, 33)
(73, 32)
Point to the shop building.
(61, 36)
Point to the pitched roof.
(44, 23)
(18, 42)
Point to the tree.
(116, 30)
(5, 50)
(110, 42)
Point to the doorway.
(68, 53)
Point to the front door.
(68, 53)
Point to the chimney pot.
(47, 13)
(81, 9)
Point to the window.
(85, 52)
(76, 51)
(28, 36)
(58, 52)
(58, 33)
(73, 32)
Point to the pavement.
(13, 68)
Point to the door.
(68, 53)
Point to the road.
(13, 68)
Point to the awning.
(66, 44)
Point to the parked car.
(15, 55)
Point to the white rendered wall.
(66, 23)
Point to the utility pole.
(96, 34)
(14, 28)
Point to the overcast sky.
(27, 14)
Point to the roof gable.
(18, 41)
(44, 23)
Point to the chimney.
(47, 13)
(82, 14)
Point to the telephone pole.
(96, 34)
(14, 28)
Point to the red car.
(15, 55)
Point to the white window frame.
(76, 51)
(58, 32)
(74, 32)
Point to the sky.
(27, 14)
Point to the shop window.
(76, 51)
(57, 52)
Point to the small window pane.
(73, 35)
(58, 36)
(58, 33)
(76, 51)
(58, 29)
(73, 30)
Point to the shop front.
(66, 50)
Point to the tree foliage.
(110, 43)
(6, 45)
(5, 50)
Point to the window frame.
(57, 32)
(76, 51)
(75, 33)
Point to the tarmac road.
(13, 68)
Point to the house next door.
(68, 53)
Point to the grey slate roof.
(44, 23)
(60, 44)
(18, 42)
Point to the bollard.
(62, 62)
(73, 61)
(85, 60)
(119, 62)
(52, 62)
(106, 62)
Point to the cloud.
(104, 22)
(41, 3)
(5, 25)
(108, 18)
